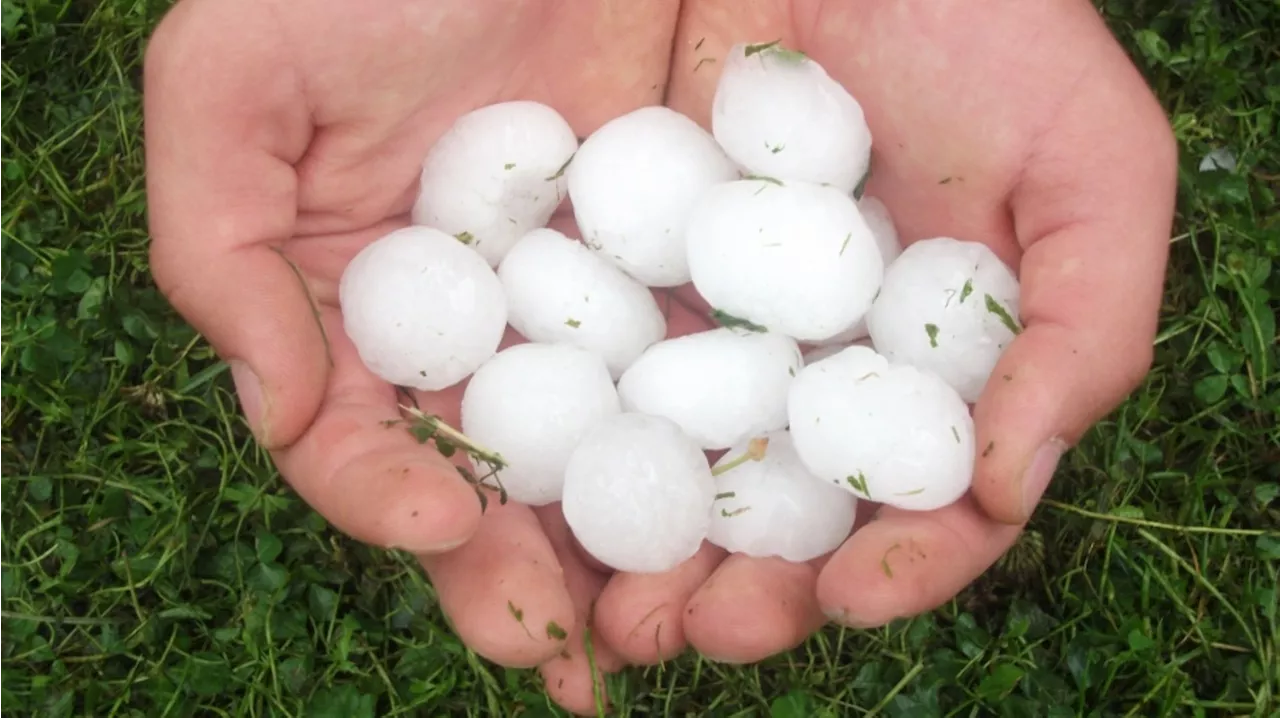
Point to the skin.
(294, 130)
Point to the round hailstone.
(882, 228)
(886, 236)
(633, 183)
(558, 291)
(497, 173)
(890, 433)
(638, 494)
(794, 257)
(778, 114)
(775, 507)
(532, 403)
(823, 351)
(948, 306)
(719, 386)
(422, 309)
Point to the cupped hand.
(281, 138)
(1020, 125)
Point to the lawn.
(155, 565)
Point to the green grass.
(154, 564)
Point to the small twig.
(311, 302)
(1115, 518)
(755, 452)
(424, 427)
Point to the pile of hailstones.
(842, 367)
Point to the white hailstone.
(638, 493)
(890, 433)
(633, 183)
(497, 173)
(719, 386)
(886, 235)
(532, 403)
(558, 291)
(949, 306)
(823, 351)
(794, 257)
(779, 114)
(885, 232)
(422, 309)
(775, 507)
(1220, 158)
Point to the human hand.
(1021, 125)
(233, 141)
(281, 139)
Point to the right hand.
(281, 138)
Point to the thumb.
(1093, 212)
(221, 138)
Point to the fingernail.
(430, 549)
(1040, 473)
(249, 392)
(847, 619)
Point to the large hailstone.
(558, 291)
(422, 309)
(878, 218)
(794, 257)
(880, 221)
(633, 183)
(775, 507)
(720, 386)
(638, 493)
(532, 403)
(779, 114)
(826, 351)
(948, 306)
(890, 433)
(497, 173)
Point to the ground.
(153, 563)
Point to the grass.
(154, 565)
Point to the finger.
(504, 589)
(221, 190)
(575, 678)
(641, 615)
(367, 475)
(905, 563)
(753, 608)
(1093, 211)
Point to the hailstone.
(532, 403)
(422, 310)
(558, 291)
(794, 257)
(877, 217)
(638, 493)
(949, 306)
(497, 173)
(633, 184)
(880, 221)
(823, 351)
(774, 507)
(720, 386)
(779, 114)
(890, 433)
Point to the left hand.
(1021, 125)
